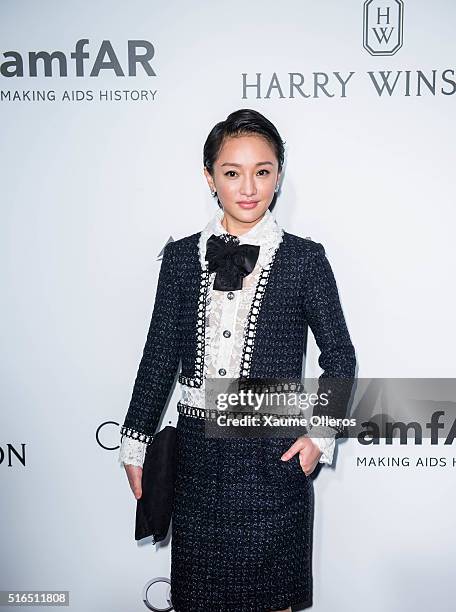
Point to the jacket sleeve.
(157, 367)
(337, 354)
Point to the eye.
(231, 173)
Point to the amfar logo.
(138, 52)
(383, 26)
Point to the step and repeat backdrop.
(104, 108)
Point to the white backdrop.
(92, 189)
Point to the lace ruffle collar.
(266, 233)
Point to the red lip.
(248, 202)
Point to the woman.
(234, 301)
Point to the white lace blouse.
(226, 316)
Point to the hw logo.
(382, 26)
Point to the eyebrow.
(239, 165)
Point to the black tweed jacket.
(297, 290)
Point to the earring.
(276, 188)
(213, 193)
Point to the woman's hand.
(134, 474)
(309, 454)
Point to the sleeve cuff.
(326, 445)
(132, 452)
(324, 438)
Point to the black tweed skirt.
(242, 524)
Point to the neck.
(235, 227)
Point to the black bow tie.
(231, 261)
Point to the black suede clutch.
(155, 506)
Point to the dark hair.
(239, 123)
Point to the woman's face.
(245, 176)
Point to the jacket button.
(227, 333)
(222, 372)
(230, 295)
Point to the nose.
(248, 186)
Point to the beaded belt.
(202, 413)
(194, 411)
